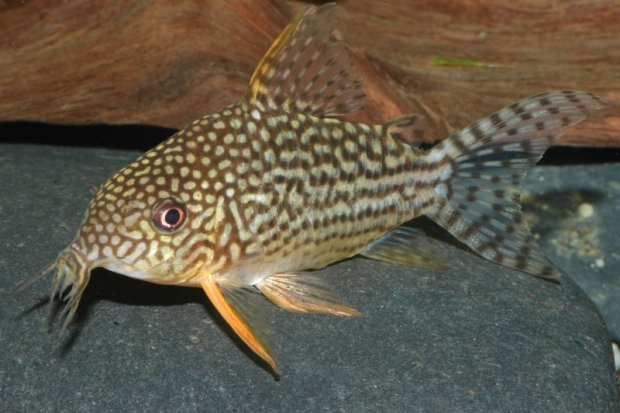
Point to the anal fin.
(237, 304)
(408, 246)
(304, 293)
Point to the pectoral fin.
(238, 305)
(304, 293)
(408, 246)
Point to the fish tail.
(481, 169)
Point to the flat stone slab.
(476, 337)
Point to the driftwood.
(167, 63)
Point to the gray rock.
(575, 211)
(477, 337)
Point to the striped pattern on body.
(265, 185)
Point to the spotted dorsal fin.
(307, 70)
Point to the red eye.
(168, 215)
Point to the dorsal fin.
(307, 70)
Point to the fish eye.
(168, 215)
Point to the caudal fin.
(479, 190)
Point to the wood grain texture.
(163, 63)
(542, 45)
(166, 63)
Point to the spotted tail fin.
(481, 170)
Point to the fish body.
(278, 192)
(248, 199)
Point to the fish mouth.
(72, 270)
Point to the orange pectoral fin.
(237, 304)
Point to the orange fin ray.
(304, 293)
(408, 246)
(239, 306)
(307, 70)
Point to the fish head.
(151, 221)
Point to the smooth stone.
(477, 337)
(574, 209)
